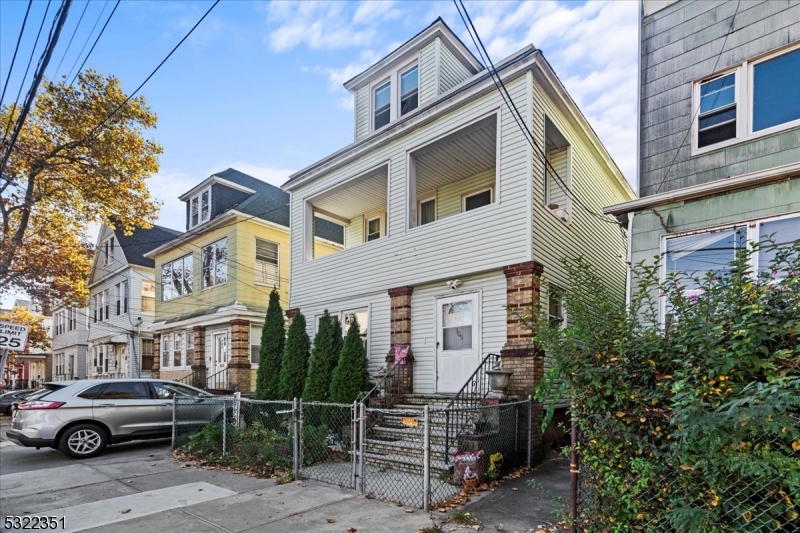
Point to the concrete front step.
(407, 448)
(402, 463)
(404, 433)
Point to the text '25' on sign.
(13, 336)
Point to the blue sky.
(258, 86)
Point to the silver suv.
(80, 418)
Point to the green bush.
(350, 377)
(273, 337)
(690, 427)
(324, 356)
(295, 360)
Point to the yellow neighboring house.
(213, 281)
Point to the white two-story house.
(70, 342)
(448, 211)
(122, 298)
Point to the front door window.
(220, 351)
(458, 346)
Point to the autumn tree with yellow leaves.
(72, 166)
(38, 334)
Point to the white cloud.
(371, 10)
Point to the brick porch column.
(290, 316)
(199, 357)
(520, 354)
(400, 333)
(239, 356)
(48, 367)
(155, 373)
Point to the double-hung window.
(759, 97)
(717, 118)
(200, 208)
(373, 229)
(148, 296)
(108, 251)
(382, 105)
(267, 271)
(176, 278)
(122, 297)
(215, 264)
(409, 90)
(426, 211)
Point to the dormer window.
(383, 99)
(200, 208)
(409, 90)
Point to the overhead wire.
(518, 118)
(55, 32)
(103, 29)
(78, 57)
(697, 111)
(24, 76)
(69, 44)
(16, 49)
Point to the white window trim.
(419, 210)
(214, 244)
(191, 287)
(752, 236)
(255, 262)
(437, 324)
(475, 193)
(381, 224)
(107, 249)
(394, 99)
(186, 362)
(744, 105)
(199, 197)
(341, 314)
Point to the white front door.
(457, 340)
(220, 341)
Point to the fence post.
(426, 454)
(174, 419)
(446, 457)
(237, 406)
(297, 416)
(530, 423)
(354, 448)
(362, 444)
(224, 426)
(573, 467)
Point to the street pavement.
(138, 487)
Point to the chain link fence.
(735, 495)
(416, 457)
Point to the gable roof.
(141, 241)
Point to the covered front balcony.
(357, 205)
(454, 174)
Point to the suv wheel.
(83, 441)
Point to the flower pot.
(498, 381)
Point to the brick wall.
(239, 356)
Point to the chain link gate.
(329, 434)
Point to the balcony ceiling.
(457, 156)
(362, 195)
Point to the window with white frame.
(214, 259)
(760, 96)
(147, 354)
(148, 296)
(255, 344)
(362, 317)
(108, 251)
(200, 208)
(704, 253)
(409, 90)
(122, 297)
(557, 172)
(177, 278)
(476, 199)
(382, 103)
(426, 211)
(373, 229)
(72, 318)
(59, 323)
(267, 271)
(100, 360)
(555, 307)
(175, 352)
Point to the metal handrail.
(378, 385)
(472, 393)
(211, 382)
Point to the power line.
(515, 112)
(24, 76)
(78, 57)
(16, 49)
(55, 32)
(154, 70)
(95, 42)
(78, 25)
(697, 111)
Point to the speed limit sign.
(13, 336)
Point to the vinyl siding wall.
(492, 286)
(354, 232)
(449, 197)
(429, 72)
(496, 234)
(362, 112)
(599, 242)
(681, 43)
(379, 321)
(451, 70)
(557, 194)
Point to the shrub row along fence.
(406, 456)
